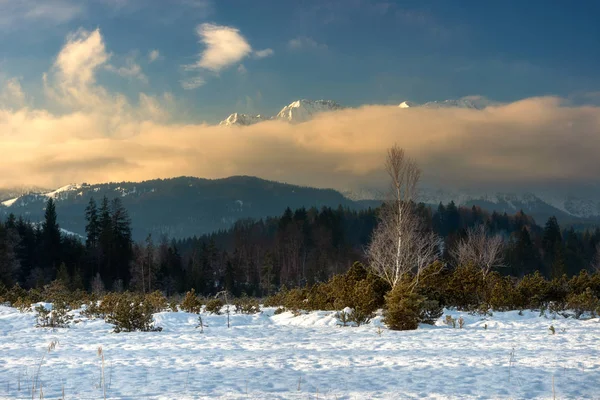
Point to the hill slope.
(179, 207)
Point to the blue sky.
(352, 51)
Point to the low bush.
(23, 304)
(132, 312)
(343, 318)
(57, 317)
(247, 306)
(360, 317)
(157, 301)
(214, 306)
(584, 302)
(109, 303)
(430, 311)
(92, 309)
(191, 303)
(403, 309)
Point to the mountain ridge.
(296, 112)
(186, 206)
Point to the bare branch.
(400, 246)
(480, 249)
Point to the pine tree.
(150, 264)
(62, 275)
(121, 242)
(77, 281)
(105, 238)
(92, 228)
(558, 267)
(452, 218)
(551, 246)
(51, 237)
(524, 255)
(9, 263)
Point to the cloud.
(154, 55)
(224, 46)
(15, 14)
(263, 53)
(305, 43)
(242, 70)
(192, 83)
(131, 70)
(72, 80)
(101, 136)
(527, 142)
(11, 94)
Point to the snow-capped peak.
(407, 104)
(303, 110)
(68, 188)
(57, 194)
(469, 102)
(242, 119)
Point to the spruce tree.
(51, 237)
(524, 256)
(121, 242)
(551, 246)
(9, 263)
(105, 238)
(62, 275)
(92, 228)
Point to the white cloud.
(154, 55)
(224, 46)
(15, 13)
(82, 54)
(263, 53)
(305, 43)
(12, 95)
(72, 81)
(131, 70)
(192, 83)
(242, 70)
(71, 84)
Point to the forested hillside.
(256, 257)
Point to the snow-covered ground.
(305, 357)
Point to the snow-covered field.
(305, 357)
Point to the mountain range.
(186, 206)
(303, 110)
(296, 112)
(179, 207)
(569, 209)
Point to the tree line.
(256, 258)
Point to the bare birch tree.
(480, 249)
(400, 245)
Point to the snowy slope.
(242, 119)
(469, 102)
(27, 198)
(531, 203)
(505, 356)
(303, 110)
(296, 112)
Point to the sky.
(102, 90)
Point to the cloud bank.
(102, 136)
